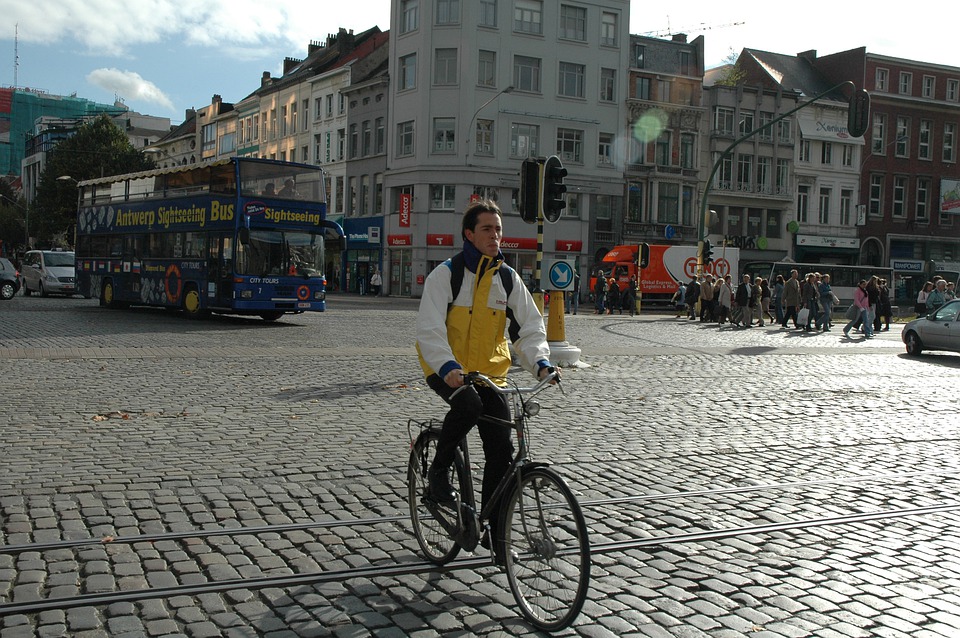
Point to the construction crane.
(703, 26)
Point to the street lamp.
(466, 157)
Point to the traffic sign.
(559, 276)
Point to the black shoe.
(439, 488)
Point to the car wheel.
(913, 343)
(26, 289)
(7, 290)
(43, 292)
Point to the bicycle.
(541, 536)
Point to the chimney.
(679, 37)
(808, 55)
(289, 63)
(189, 114)
(314, 46)
(265, 79)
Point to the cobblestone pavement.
(125, 423)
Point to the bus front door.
(220, 273)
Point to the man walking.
(791, 298)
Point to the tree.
(98, 148)
(731, 73)
(12, 217)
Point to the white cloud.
(129, 86)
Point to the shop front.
(823, 249)
(363, 253)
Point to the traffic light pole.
(702, 221)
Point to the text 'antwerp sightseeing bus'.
(235, 236)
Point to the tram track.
(418, 567)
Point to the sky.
(161, 57)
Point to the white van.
(49, 272)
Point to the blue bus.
(238, 236)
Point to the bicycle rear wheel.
(434, 539)
(546, 549)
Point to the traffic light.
(707, 252)
(553, 189)
(644, 255)
(530, 191)
(858, 115)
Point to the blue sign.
(560, 276)
(669, 232)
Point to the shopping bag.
(803, 317)
(852, 313)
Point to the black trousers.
(465, 411)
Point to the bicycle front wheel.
(546, 550)
(434, 539)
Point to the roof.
(791, 73)
(156, 171)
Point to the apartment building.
(476, 88)
(661, 151)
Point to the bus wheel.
(191, 304)
(270, 316)
(106, 295)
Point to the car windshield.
(947, 313)
(58, 259)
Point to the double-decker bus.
(843, 278)
(235, 236)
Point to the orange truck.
(668, 265)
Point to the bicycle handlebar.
(475, 377)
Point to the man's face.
(486, 235)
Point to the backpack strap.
(457, 265)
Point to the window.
(571, 80)
(784, 131)
(929, 86)
(608, 29)
(876, 195)
(409, 15)
(444, 135)
(846, 206)
(340, 198)
(688, 156)
(354, 141)
(923, 199)
(923, 143)
(663, 90)
(763, 175)
(734, 221)
(746, 122)
(528, 16)
(723, 120)
(953, 90)
(902, 147)
(783, 176)
(484, 137)
(725, 174)
(351, 196)
(906, 83)
(488, 13)
(803, 151)
(341, 143)
(635, 202)
(685, 65)
(803, 197)
(573, 22)
(639, 52)
(883, 78)
(405, 138)
(754, 221)
(408, 72)
(445, 67)
(524, 140)
(662, 152)
(826, 153)
(379, 135)
(208, 141)
(448, 11)
(847, 158)
(570, 145)
(329, 107)
(879, 134)
(283, 120)
(824, 217)
(608, 85)
(367, 139)
(773, 224)
(949, 141)
(605, 151)
(487, 69)
(899, 196)
(526, 73)
(442, 197)
(668, 203)
(341, 103)
(641, 89)
(364, 194)
(766, 131)
(745, 172)
(378, 194)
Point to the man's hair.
(473, 211)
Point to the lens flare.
(650, 125)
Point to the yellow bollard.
(555, 322)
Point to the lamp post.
(466, 157)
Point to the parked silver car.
(49, 272)
(939, 330)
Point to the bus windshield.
(282, 181)
(264, 253)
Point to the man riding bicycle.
(465, 332)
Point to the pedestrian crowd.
(612, 296)
(934, 294)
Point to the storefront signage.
(828, 242)
(406, 203)
(373, 234)
(400, 240)
(569, 245)
(518, 243)
(950, 196)
(907, 265)
(436, 239)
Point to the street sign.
(559, 276)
